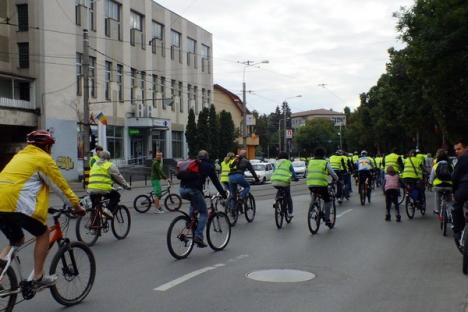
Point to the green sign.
(133, 132)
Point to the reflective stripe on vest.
(392, 160)
(225, 169)
(282, 173)
(317, 173)
(99, 177)
(412, 168)
(335, 162)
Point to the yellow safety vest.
(93, 160)
(282, 174)
(225, 169)
(317, 173)
(413, 168)
(99, 177)
(392, 160)
(437, 181)
(335, 162)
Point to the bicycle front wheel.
(180, 237)
(410, 209)
(173, 202)
(75, 267)
(250, 208)
(218, 231)
(88, 227)
(8, 288)
(278, 215)
(121, 222)
(313, 218)
(142, 203)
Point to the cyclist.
(378, 169)
(157, 175)
(394, 160)
(236, 175)
(24, 192)
(350, 167)
(101, 178)
(338, 164)
(364, 167)
(441, 177)
(281, 178)
(191, 188)
(225, 169)
(317, 179)
(413, 176)
(355, 159)
(97, 150)
(460, 187)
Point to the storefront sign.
(65, 163)
(161, 123)
(133, 132)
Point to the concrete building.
(148, 67)
(226, 100)
(299, 119)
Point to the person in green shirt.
(156, 176)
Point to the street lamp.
(285, 103)
(244, 99)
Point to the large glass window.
(157, 30)
(177, 144)
(191, 50)
(112, 19)
(175, 45)
(205, 54)
(119, 81)
(133, 73)
(107, 77)
(155, 90)
(136, 21)
(112, 10)
(23, 54)
(159, 141)
(115, 141)
(23, 20)
(179, 90)
(92, 76)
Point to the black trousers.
(391, 197)
(113, 196)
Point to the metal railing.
(16, 103)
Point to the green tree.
(203, 133)
(213, 128)
(316, 132)
(227, 135)
(191, 134)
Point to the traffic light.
(92, 143)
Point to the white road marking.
(343, 213)
(219, 265)
(183, 279)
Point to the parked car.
(300, 168)
(264, 172)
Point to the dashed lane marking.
(343, 213)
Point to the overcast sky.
(340, 43)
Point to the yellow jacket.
(25, 183)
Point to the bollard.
(86, 177)
(145, 179)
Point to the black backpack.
(444, 171)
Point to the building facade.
(147, 67)
(299, 119)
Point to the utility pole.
(286, 149)
(85, 124)
(244, 113)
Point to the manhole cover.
(281, 276)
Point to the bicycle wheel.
(218, 231)
(121, 222)
(410, 209)
(362, 195)
(173, 202)
(250, 208)
(287, 217)
(332, 215)
(402, 196)
(278, 215)
(180, 237)
(369, 192)
(88, 227)
(465, 251)
(142, 203)
(443, 221)
(232, 211)
(75, 267)
(313, 218)
(8, 286)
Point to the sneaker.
(398, 218)
(107, 213)
(159, 210)
(388, 218)
(45, 281)
(328, 223)
(199, 241)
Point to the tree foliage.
(316, 132)
(227, 134)
(191, 135)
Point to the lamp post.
(285, 103)
(244, 98)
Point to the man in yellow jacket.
(24, 194)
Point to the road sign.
(289, 134)
(250, 120)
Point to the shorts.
(156, 184)
(13, 223)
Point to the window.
(143, 87)
(173, 93)
(115, 141)
(91, 22)
(120, 81)
(78, 74)
(133, 73)
(112, 10)
(177, 144)
(92, 76)
(23, 20)
(175, 44)
(85, 8)
(23, 54)
(158, 141)
(163, 92)
(112, 19)
(203, 97)
(208, 97)
(107, 77)
(136, 30)
(189, 96)
(195, 97)
(179, 90)
(191, 51)
(205, 54)
(157, 33)
(155, 90)
(136, 21)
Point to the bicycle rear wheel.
(218, 231)
(121, 222)
(232, 211)
(443, 220)
(180, 237)
(8, 286)
(278, 215)
(173, 202)
(332, 215)
(250, 208)
(75, 267)
(142, 203)
(313, 218)
(410, 209)
(362, 195)
(287, 217)
(402, 196)
(88, 227)
(369, 192)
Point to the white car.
(300, 169)
(264, 172)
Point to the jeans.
(198, 203)
(461, 196)
(239, 179)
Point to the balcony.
(13, 103)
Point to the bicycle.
(365, 191)
(180, 233)
(411, 203)
(316, 211)
(463, 243)
(445, 215)
(73, 262)
(280, 206)
(237, 206)
(90, 226)
(173, 202)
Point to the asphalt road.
(364, 264)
